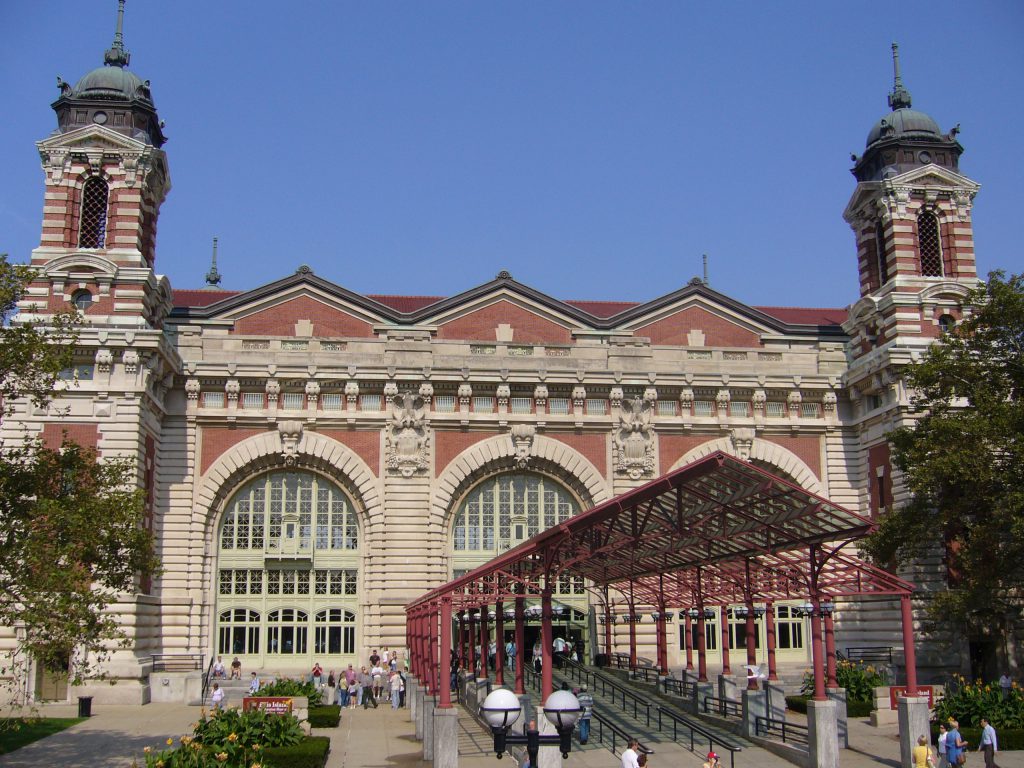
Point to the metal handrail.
(206, 680)
(616, 732)
(602, 686)
(697, 730)
(683, 688)
(647, 673)
(178, 662)
(870, 653)
(795, 731)
(723, 707)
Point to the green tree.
(963, 460)
(71, 534)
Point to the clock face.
(100, 118)
(925, 157)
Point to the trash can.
(601, 660)
(85, 706)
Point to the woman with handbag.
(955, 753)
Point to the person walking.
(586, 701)
(631, 757)
(217, 697)
(943, 733)
(922, 753)
(954, 744)
(396, 689)
(1005, 685)
(989, 746)
(366, 689)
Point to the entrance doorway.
(51, 683)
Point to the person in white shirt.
(988, 745)
(218, 668)
(1005, 684)
(254, 685)
(631, 757)
(378, 680)
(942, 746)
(217, 697)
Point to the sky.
(593, 149)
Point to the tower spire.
(116, 55)
(900, 96)
(213, 276)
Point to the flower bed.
(853, 708)
(286, 687)
(310, 753)
(968, 702)
(859, 680)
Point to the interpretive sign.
(901, 690)
(274, 705)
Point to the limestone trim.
(764, 451)
(497, 454)
(266, 451)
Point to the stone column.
(754, 705)
(419, 696)
(412, 686)
(912, 713)
(445, 732)
(728, 687)
(704, 689)
(428, 727)
(822, 737)
(838, 695)
(776, 704)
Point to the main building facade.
(313, 458)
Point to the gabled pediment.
(932, 175)
(92, 137)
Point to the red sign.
(275, 705)
(901, 690)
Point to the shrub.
(232, 730)
(1009, 738)
(857, 678)
(853, 708)
(797, 703)
(324, 717)
(311, 753)
(286, 687)
(968, 702)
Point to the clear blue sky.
(594, 149)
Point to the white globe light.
(562, 709)
(501, 708)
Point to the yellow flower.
(170, 741)
(147, 750)
(222, 756)
(186, 740)
(159, 764)
(256, 747)
(256, 765)
(233, 737)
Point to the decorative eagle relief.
(407, 440)
(633, 441)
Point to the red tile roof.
(806, 315)
(201, 297)
(405, 304)
(603, 308)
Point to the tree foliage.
(71, 534)
(963, 460)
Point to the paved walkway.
(384, 738)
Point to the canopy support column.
(769, 630)
(662, 641)
(444, 653)
(481, 663)
(688, 641)
(909, 656)
(499, 642)
(830, 652)
(632, 636)
(462, 637)
(471, 659)
(702, 638)
(520, 630)
(724, 617)
(751, 629)
(607, 625)
(547, 641)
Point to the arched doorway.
(288, 572)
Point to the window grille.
(293, 401)
(239, 632)
(483, 404)
(596, 406)
(444, 403)
(734, 355)
(774, 409)
(252, 400)
(82, 300)
(929, 245)
(558, 405)
(810, 410)
(291, 345)
(521, 404)
(369, 402)
(947, 323)
(700, 354)
(703, 408)
(883, 262)
(331, 401)
(789, 627)
(92, 221)
(213, 399)
(666, 408)
(335, 632)
(333, 346)
(251, 345)
(739, 409)
(287, 631)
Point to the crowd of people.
(381, 680)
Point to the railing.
(600, 686)
(648, 674)
(621, 660)
(791, 732)
(178, 662)
(723, 707)
(876, 653)
(617, 734)
(683, 688)
(695, 730)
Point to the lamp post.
(501, 710)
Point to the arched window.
(883, 263)
(335, 632)
(929, 245)
(239, 632)
(287, 631)
(507, 509)
(275, 512)
(789, 627)
(81, 300)
(92, 217)
(947, 323)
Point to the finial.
(706, 281)
(116, 55)
(900, 96)
(213, 276)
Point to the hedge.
(853, 708)
(1009, 739)
(325, 717)
(310, 753)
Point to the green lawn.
(15, 732)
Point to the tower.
(106, 177)
(911, 218)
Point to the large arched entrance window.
(288, 571)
